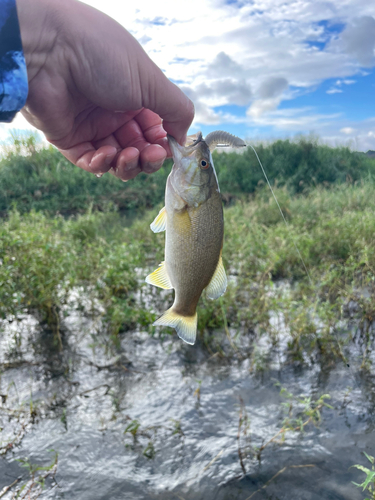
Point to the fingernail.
(99, 175)
(108, 160)
(155, 165)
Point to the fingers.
(127, 164)
(152, 158)
(138, 145)
(124, 165)
(131, 162)
(170, 103)
(85, 156)
(177, 123)
(146, 128)
(151, 126)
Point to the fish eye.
(204, 163)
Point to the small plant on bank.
(368, 484)
(33, 487)
(301, 412)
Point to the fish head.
(193, 174)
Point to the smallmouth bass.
(194, 224)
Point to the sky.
(263, 69)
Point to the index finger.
(152, 128)
(170, 103)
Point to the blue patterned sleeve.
(13, 74)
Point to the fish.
(193, 221)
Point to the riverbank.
(277, 397)
(51, 264)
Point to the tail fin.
(185, 326)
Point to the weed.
(149, 451)
(132, 428)
(300, 412)
(369, 482)
(92, 263)
(33, 488)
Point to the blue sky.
(263, 69)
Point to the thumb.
(170, 103)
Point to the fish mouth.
(197, 140)
(179, 151)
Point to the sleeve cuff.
(13, 73)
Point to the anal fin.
(160, 278)
(218, 283)
(160, 222)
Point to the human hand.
(95, 93)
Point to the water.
(186, 404)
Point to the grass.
(64, 246)
(300, 413)
(368, 484)
(51, 260)
(33, 177)
(41, 179)
(46, 261)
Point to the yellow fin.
(160, 221)
(160, 278)
(218, 283)
(185, 326)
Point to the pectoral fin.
(160, 278)
(218, 283)
(185, 326)
(160, 221)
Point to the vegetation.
(369, 482)
(299, 165)
(44, 261)
(38, 178)
(299, 411)
(42, 179)
(93, 263)
(65, 246)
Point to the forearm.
(93, 90)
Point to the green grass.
(44, 260)
(299, 165)
(43, 180)
(38, 178)
(369, 483)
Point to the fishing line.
(281, 212)
(303, 262)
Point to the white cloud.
(262, 106)
(255, 54)
(221, 92)
(334, 91)
(347, 130)
(296, 119)
(223, 65)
